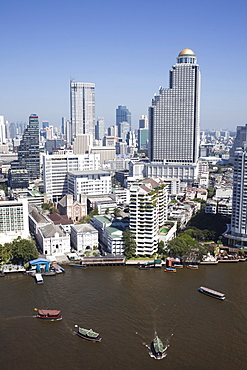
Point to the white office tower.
(56, 168)
(174, 118)
(238, 233)
(2, 131)
(148, 213)
(100, 128)
(82, 108)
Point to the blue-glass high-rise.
(27, 167)
(123, 115)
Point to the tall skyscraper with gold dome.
(174, 122)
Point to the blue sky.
(127, 49)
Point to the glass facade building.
(123, 115)
(27, 167)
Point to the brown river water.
(126, 305)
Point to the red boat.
(49, 315)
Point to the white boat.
(39, 279)
(209, 260)
(212, 293)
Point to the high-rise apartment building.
(82, 108)
(27, 167)
(148, 213)
(174, 117)
(238, 230)
(241, 137)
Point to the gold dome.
(186, 52)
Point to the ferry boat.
(48, 314)
(170, 269)
(157, 347)
(192, 267)
(212, 293)
(88, 334)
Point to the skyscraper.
(2, 131)
(100, 128)
(27, 167)
(174, 117)
(237, 235)
(143, 122)
(82, 108)
(123, 115)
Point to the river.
(126, 305)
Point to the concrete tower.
(174, 117)
(238, 230)
(82, 108)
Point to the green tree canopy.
(161, 247)
(18, 250)
(24, 249)
(86, 219)
(117, 212)
(130, 244)
(5, 252)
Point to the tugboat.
(52, 315)
(88, 334)
(157, 347)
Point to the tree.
(161, 247)
(130, 244)
(107, 211)
(24, 249)
(117, 212)
(86, 219)
(5, 252)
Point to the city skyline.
(125, 61)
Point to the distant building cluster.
(80, 186)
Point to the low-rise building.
(84, 237)
(74, 209)
(53, 240)
(211, 206)
(110, 233)
(183, 211)
(225, 207)
(103, 203)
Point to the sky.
(127, 49)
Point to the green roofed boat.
(88, 334)
(157, 347)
